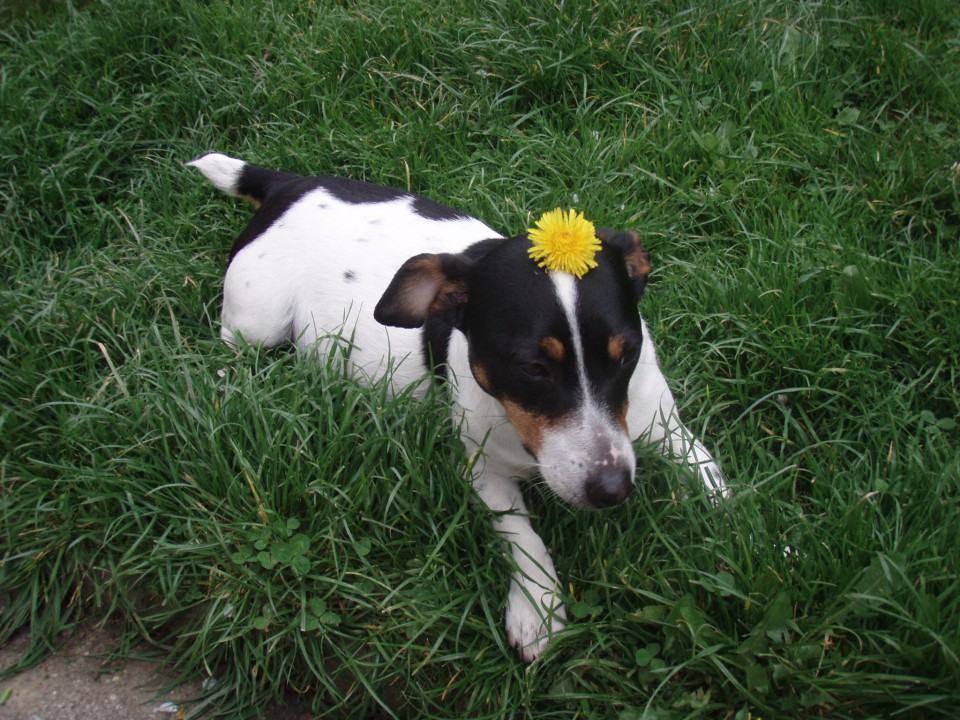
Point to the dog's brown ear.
(424, 285)
(635, 256)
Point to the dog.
(549, 373)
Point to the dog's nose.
(609, 486)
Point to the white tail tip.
(222, 171)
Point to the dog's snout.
(608, 486)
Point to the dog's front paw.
(713, 481)
(533, 615)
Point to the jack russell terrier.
(551, 368)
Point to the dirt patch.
(77, 684)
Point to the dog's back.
(319, 253)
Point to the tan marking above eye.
(552, 348)
(615, 347)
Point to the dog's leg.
(534, 609)
(678, 442)
(652, 415)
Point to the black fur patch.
(439, 327)
(356, 192)
(278, 191)
(607, 308)
(512, 306)
(427, 208)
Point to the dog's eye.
(534, 369)
(629, 356)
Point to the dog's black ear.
(635, 256)
(424, 285)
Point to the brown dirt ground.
(77, 684)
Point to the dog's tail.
(237, 177)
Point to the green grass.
(275, 527)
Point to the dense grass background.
(792, 167)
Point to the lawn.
(260, 521)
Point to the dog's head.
(556, 351)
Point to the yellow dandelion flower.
(564, 241)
